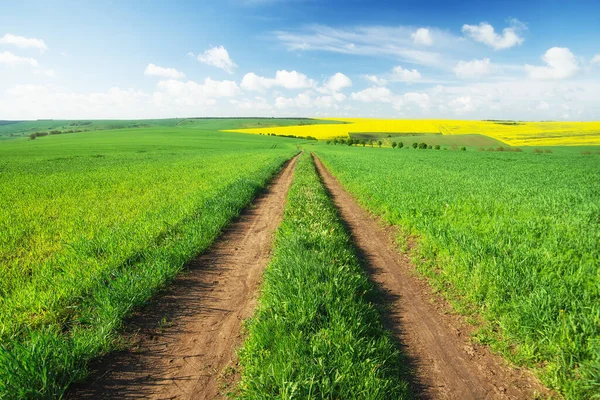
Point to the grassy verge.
(315, 333)
(41, 361)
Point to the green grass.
(92, 225)
(514, 237)
(21, 129)
(316, 334)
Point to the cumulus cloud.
(218, 57)
(405, 75)
(24, 42)
(596, 60)
(283, 78)
(422, 37)
(373, 94)
(12, 60)
(473, 69)
(560, 64)
(375, 80)
(257, 103)
(155, 70)
(191, 90)
(336, 83)
(485, 33)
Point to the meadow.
(93, 224)
(513, 133)
(316, 333)
(511, 237)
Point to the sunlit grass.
(316, 334)
(516, 236)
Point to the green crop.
(93, 224)
(516, 236)
(316, 334)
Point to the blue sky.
(529, 60)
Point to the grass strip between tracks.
(316, 332)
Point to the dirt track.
(187, 338)
(447, 365)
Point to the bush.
(430, 147)
(394, 144)
(400, 145)
(437, 147)
(463, 148)
(422, 145)
(415, 145)
(379, 143)
(32, 136)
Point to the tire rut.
(184, 341)
(446, 364)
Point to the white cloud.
(283, 78)
(23, 42)
(218, 57)
(336, 83)
(461, 105)
(473, 69)
(375, 79)
(190, 89)
(256, 104)
(486, 34)
(422, 37)
(302, 100)
(373, 94)
(404, 102)
(596, 60)
(560, 64)
(394, 41)
(293, 80)
(12, 60)
(155, 70)
(405, 75)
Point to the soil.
(447, 364)
(184, 343)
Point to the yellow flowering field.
(509, 132)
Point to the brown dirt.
(184, 344)
(447, 364)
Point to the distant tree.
(363, 142)
(415, 145)
(437, 146)
(328, 142)
(463, 149)
(430, 147)
(342, 141)
(350, 142)
(335, 142)
(400, 145)
(32, 136)
(379, 143)
(422, 145)
(394, 144)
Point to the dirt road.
(447, 364)
(188, 337)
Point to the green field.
(20, 129)
(514, 237)
(93, 224)
(316, 333)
